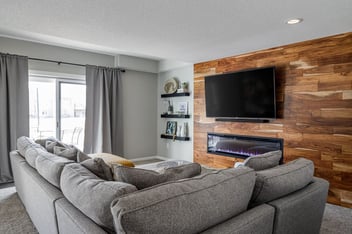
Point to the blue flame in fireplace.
(241, 146)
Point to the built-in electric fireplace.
(242, 146)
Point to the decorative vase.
(170, 109)
(185, 130)
(179, 131)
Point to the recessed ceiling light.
(294, 21)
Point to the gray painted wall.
(168, 148)
(139, 88)
(43, 51)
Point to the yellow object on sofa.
(111, 159)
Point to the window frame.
(58, 80)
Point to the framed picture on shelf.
(181, 108)
(171, 127)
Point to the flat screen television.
(243, 95)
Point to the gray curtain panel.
(14, 108)
(103, 127)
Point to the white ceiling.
(183, 30)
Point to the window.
(57, 108)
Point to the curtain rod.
(60, 62)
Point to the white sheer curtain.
(14, 108)
(103, 127)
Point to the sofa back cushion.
(28, 149)
(284, 179)
(142, 178)
(264, 161)
(185, 206)
(23, 143)
(92, 195)
(50, 166)
(32, 153)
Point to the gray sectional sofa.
(62, 196)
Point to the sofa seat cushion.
(185, 206)
(142, 178)
(50, 166)
(92, 195)
(264, 161)
(284, 179)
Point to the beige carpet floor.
(14, 219)
(13, 216)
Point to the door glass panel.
(72, 109)
(42, 108)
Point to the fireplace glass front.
(242, 146)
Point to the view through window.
(57, 109)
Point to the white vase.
(179, 131)
(185, 130)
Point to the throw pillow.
(49, 145)
(112, 159)
(98, 167)
(82, 156)
(70, 153)
(42, 141)
(263, 161)
(142, 178)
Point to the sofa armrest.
(71, 220)
(301, 211)
(37, 195)
(256, 220)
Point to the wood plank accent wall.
(314, 100)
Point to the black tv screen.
(248, 94)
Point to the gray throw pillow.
(49, 145)
(142, 178)
(263, 161)
(279, 181)
(70, 153)
(42, 141)
(98, 167)
(81, 156)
